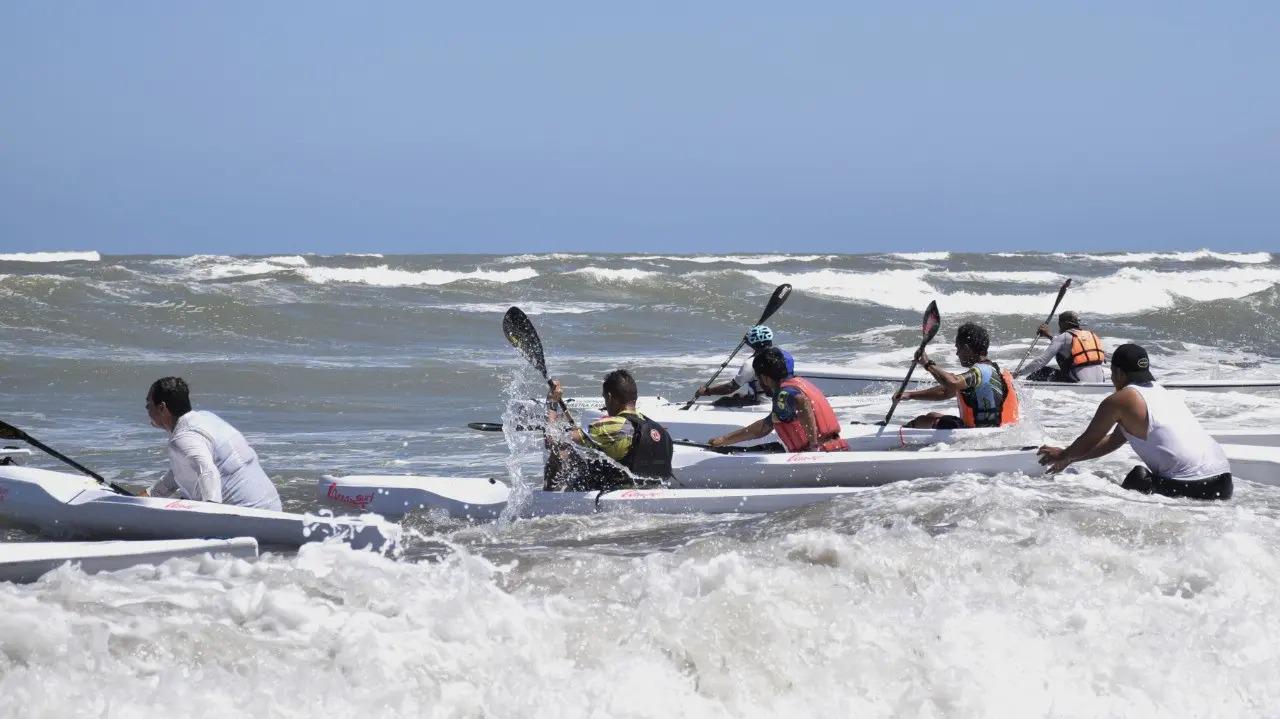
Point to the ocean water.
(945, 596)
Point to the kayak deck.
(28, 561)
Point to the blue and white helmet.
(759, 335)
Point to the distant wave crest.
(384, 276)
(1129, 290)
(86, 256)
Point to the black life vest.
(651, 448)
(649, 458)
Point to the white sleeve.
(165, 487)
(194, 470)
(745, 375)
(1047, 356)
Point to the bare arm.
(755, 430)
(1100, 438)
(723, 388)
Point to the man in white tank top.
(1181, 459)
(209, 460)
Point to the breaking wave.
(604, 274)
(1127, 291)
(733, 259)
(384, 276)
(922, 256)
(89, 256)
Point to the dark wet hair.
(1069, 320)
(770, 363)
(173, 392)
(974, 337)
(622, 385)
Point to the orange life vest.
(987, 413)
(792, 433)
(1086, 349)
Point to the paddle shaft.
(776, 300)
(1062, 292)
(19, 434)
(724, 364)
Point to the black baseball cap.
(1134, 361)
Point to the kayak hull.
(1254, 463)
(702, 422)
(28, 561)
(481, 499)
(835, 380)
(60, 505)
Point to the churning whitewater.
(960, 596)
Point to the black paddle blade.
(522, 335)
(780, 296)
(8, 431)
(931, 322)
(1062, 291)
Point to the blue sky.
(246, 127)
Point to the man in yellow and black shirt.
(615, 450)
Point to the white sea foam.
(221, 267)
(88, 256)
(549, 256)
(1127, 291)
(533, 308)
(1244, 258)
(922, 256)
(605, 274)
(1000, 276)
(384, 276)
(734, 259)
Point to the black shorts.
(1140, 479)
(948, 421)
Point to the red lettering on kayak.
(358, 500)
(803, 457)
(179, 504)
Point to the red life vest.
(987, 414)
(1086, 349)
(792, 433)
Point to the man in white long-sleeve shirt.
(1078, 351)
(209, 460)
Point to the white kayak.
(1256, 464)
(57, 504)
(14, 455)
(28, 561)
(703, 468)
(478, 498)
(835, 380)
(702, 422)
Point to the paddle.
(520, 332)
(1061, 292)
(780, 295)
(928, 327)
(8, 431)
(497, 427)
